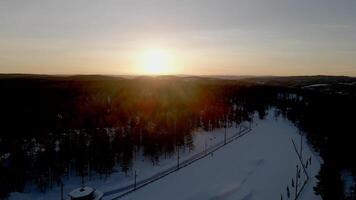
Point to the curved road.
(130, 188)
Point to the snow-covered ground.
(258, 166)
(316, 85)
(141, 164)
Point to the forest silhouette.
(53, 127)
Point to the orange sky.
(199, 37)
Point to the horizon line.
(177, 75)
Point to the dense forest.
(53, 125)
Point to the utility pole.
(296, 183)
(134, 148)
(205, 147)
(135, 180)
(178, 158)
(301, 146)
(225, 134)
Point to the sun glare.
(156, 62)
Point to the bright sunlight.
(157, 62)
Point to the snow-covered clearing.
(258, 166)
(142, 165)
(316, 85)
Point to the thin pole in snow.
(296, 184)
(225, 135)
(135, 180)
(178, 158)
(301, 146)
(205, 146)
(225, 129)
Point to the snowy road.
(260, 165)
(127, 189)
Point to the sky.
(198, 37)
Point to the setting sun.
(156, 62)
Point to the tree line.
(52, 127)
